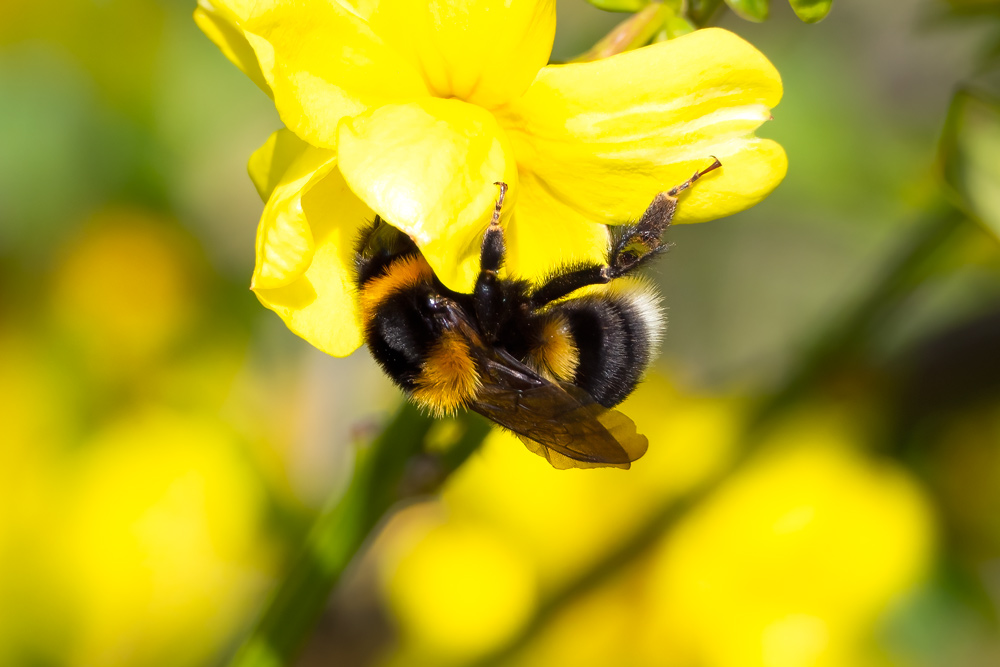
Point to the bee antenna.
(496, 210)
(698, 174)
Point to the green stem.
(393, 469)
(642, 27)
(840, 338)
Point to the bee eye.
(431, 304)
(436, 304)
(437, 311)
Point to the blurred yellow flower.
(124, 289)
(36, 426)
(165, 549)
(142, 544)
(564, 522)
(484, 593)
(792, 563)
(412, 110)
(510, 527)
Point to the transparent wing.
(559, 421)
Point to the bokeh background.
(165, 441)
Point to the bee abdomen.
(617, 335)
(552, 352)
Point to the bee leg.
(489, 296)
(493, 249)
(716, 163)
(631, 245)
(562, 284)
(635, 243)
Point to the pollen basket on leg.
(448, 377)
(405, 272)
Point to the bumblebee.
(535, 359)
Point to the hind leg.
(631, 246)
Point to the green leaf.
(701, 12)
(969, 149)
(751, 10)
(811, 11)
(619, 5)
(674, 27)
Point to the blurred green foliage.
(969, 149)
(620, 5)
(809, 11)
(751, 10)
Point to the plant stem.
(639, 29)
(840, 338)
(393, 469)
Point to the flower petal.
(321, 305)
(270, 162)
(545, 234)
(323, 63)
(485, 52)
(429, 168)
(220, 20)
(606, 136)
(284, 239)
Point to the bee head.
(437, 311)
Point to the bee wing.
(559, 421)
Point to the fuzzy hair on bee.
(536, 358)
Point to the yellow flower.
(164, 550)
(464, 574)
(794, 561)
(123, 290)
(456, 589)
(413, 110)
